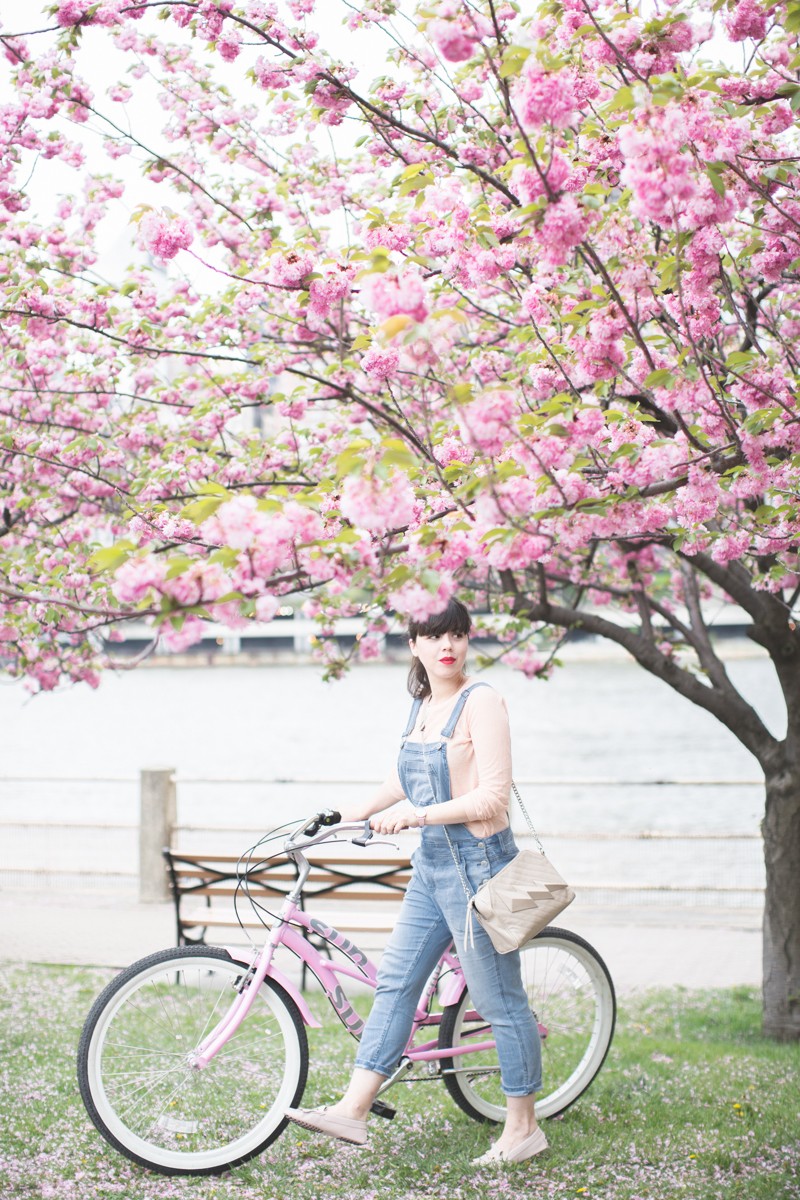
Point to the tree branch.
(730, 709)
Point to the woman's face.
(442, 657)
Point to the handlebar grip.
(327, 817)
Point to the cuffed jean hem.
(378, 1068)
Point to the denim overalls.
(433, 914)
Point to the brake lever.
(364, 837)
(367, 837)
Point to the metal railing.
(606, 866)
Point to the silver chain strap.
(527, 818)
(461, 875)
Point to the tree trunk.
(781, 830)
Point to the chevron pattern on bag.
(536, 893)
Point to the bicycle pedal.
(383, 1110)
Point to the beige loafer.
(319, 1120)
(524, 1150)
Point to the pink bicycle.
(190, 1057)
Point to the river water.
(601, 750)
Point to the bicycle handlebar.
(331, 824)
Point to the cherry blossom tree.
(515, 318)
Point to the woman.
(453, 773)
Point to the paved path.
(643, 947)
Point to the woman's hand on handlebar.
(393, 820)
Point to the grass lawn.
(692, 1104)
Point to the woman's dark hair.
(453, 619)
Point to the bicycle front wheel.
(140, 1086)
(572, 998)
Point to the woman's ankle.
(517, 1131)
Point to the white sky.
(102, 66)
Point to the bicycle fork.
(247, 989)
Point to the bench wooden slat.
(332, 861)
(216, 918)
(339, 881)
(364, 897)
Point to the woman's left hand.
(402, 816)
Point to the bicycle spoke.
(571, 996)
(139, 1083)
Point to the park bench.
(357, 894)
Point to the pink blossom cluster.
(416, 602)
(394, 293)
(544, 97)
(328, 291)
(164, 236)
(186, 632)
(486, 422)
(271, 75)
(601, 353)
(662, 176)
(559, 175)
(746, 20)
(106, 12)
(378, 505)
(381, 363)
(646, 48)
(564, 226)
(369, 648)
(268, 539)
(389, 237)
(527, 660)
(781, 241)
(457, 32)
(334, 102)
(291, 269)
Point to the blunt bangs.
(453, 619)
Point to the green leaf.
(663, 378)
(739, 358)
(514, 59)
(792, 22)
(714, 172)
(461, 393)
(760, 420)
(209, 488)
(109, 558)
(556, 404)
(623, 99)
(417, 184)
(177, 565)
(411, 171)
(226, 556)
(350, 461)
(200, 510)
(397, 455)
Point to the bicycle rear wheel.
(572, 997)
(138, 1082)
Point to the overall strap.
(449, 728)
(412, 720)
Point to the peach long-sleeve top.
(478, 758)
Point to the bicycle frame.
(357, 965)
